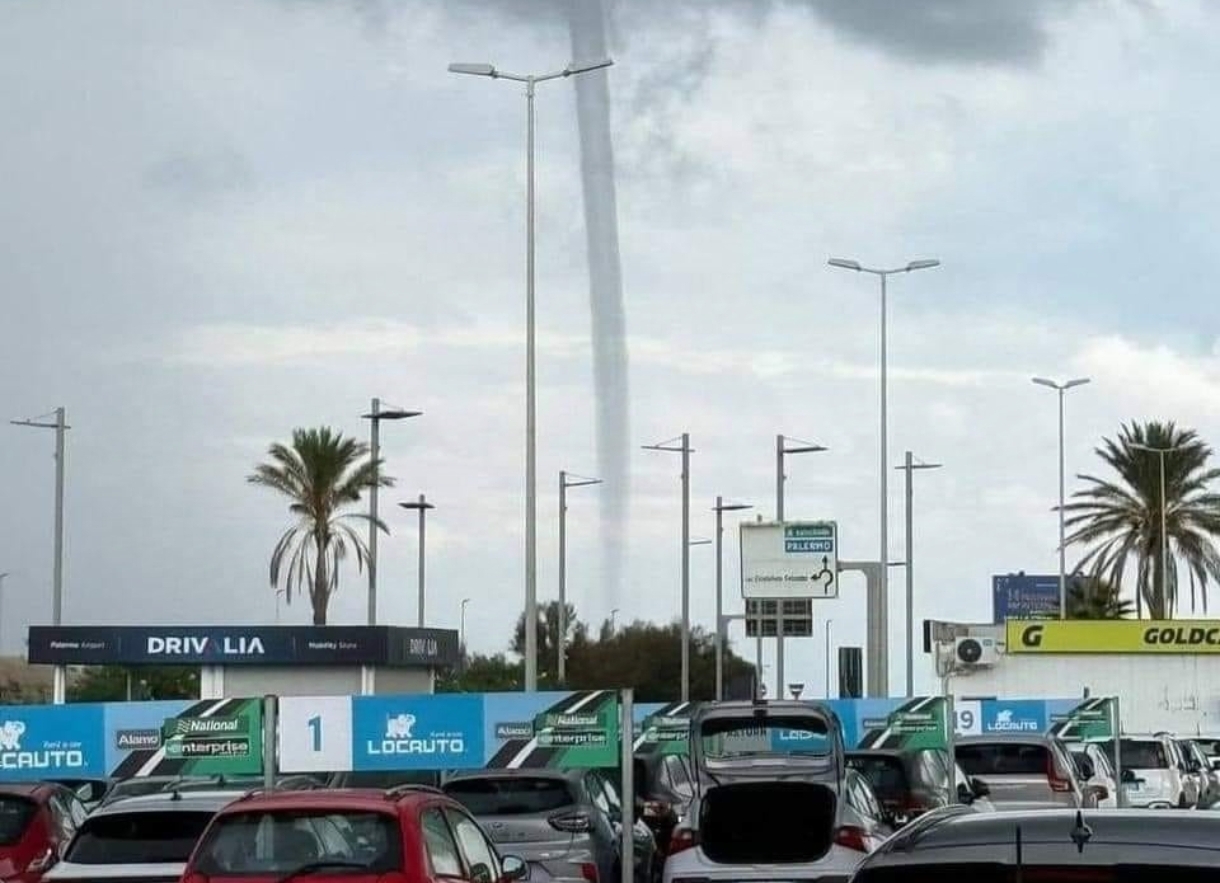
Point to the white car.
(1152, 774)
(772, 804)
(1095, 770)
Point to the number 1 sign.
(315, 734)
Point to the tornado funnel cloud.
(587, 24)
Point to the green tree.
(1092, 598)
(322, 474)
(108, 683)
(548, 640)
(482, 674)
(1119, 521)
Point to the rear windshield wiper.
(322, 865)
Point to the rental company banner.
(449, 731)
(99, 739)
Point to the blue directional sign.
(1024, 596)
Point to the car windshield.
(1003, 759)
(380, 779)
(15, 815)
(136, 787)
(275, 842)
(515, 796)
(885, 774)
(736, 738)
(132, 837)
(1140, 754)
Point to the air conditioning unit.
(975, 650)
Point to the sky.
(222, 220)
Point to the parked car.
(1023, 771)
(145, 839)
(1211, 775)
(414, 834)
(1152, 775)
(872, 823)
(1196, 770)
(1108, 846)
(37, 821)
(972, 792)
(770, 802)
(907, 782)
(1094, 770)
(665, 784)
(563, 823)
(90, 792)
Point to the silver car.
(1024, 772)
(144, 839)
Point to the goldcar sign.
(1181, 636)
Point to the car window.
(866, 801)
(441, 847)
(480, 857)
(932, 770)
(597, 793)
(1140, 754)
(130, 837)
(611, 789)
(884, 772)
(515, 795)
(62, 817)
(1003, 759)
(275, 841)
(679, 777)
(16, 813)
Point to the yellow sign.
(1190, 636)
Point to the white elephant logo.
(399, 727)
(10, 735)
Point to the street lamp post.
(909, 466)
(720, 508)
(566, 480)
(614, 621)
(422, 506)
(880, 640)
(1161, 452)
(1061, 388)
(2, 576)
(531, 486)
(681, 445)
(375, 416)
(784, 446)
(462, 625)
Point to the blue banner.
(50, 741)
(417, 732)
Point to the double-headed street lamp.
(1161, 452)
(1061, 388)
(375, 416)
(883, 558)
(422, 506)
(531, 485)
(566, 480)
(720, 508)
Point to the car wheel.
(1182, 801)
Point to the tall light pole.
(784, 445)
(531, 486)
(422, 506)
(1061, 388)
(566, 480)
(60, 427)
(375, 416)
(909, 466)
(720, 508)
(882, 638)
(462, 625)
(2, 623)
(614, 621)
(1161, 452)
(829, 623)
(681, 445)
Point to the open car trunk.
(767, 822)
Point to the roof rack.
(408, 787)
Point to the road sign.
(1024, 596)
(792, 559)
(764, 615)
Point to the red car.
(409, 834)
(37, 820)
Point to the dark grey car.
(957, 844)
(564, 823)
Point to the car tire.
(1182, 801)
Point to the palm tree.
(1092, 598)
(321, 474)
(1119, 522)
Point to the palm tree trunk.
(319, 597)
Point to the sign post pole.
(270, 752)
(1116, 734)
(627, 743)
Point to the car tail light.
(571, 822)
(681, 840)
(588, 871)
(1057, 782)
(851, 837)
(42, 861)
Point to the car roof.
(1125, 826)
(363, 799)
(28, 789)
(516, 773)
(161, 801)
(1007, 739)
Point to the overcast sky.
(222, 220)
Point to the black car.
(908, 783)
(960, 845)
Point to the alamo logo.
(515, 730)
(134, 740)
(13, 757)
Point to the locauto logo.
(1031, 636)
(1004, 723)
(205, 645)
(400, 739)
(12, 757)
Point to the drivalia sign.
(52, 756)
(204, 645)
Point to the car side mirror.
(1128, 775)
(980, 788)
(1102, 792)
(515, 868)
(964, 794)
(1215, 761)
